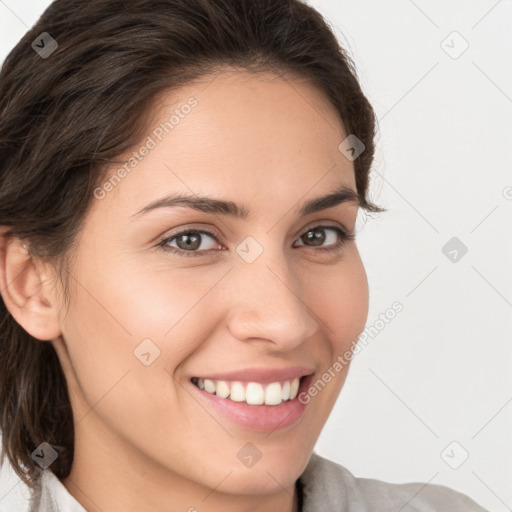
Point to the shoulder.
(51, 495)
(47, 495)
(329, 486)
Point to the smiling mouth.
(252, 393)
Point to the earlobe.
(26, 291)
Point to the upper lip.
(261, 375)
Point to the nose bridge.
(268, 302)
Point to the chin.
(260, 480)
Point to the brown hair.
(64, 117)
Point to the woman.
(179, 191)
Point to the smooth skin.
(143, 440)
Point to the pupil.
(194, 244)
(315, 236)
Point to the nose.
(268, 303)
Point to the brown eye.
(326, 238)
(190, 242)
(314, 236)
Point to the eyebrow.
(342, 194)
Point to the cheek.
(338, 296)
(135, 303)
(105, 328)
(115, 310)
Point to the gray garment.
(327, 487)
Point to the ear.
(26, 288)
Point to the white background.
(441, 371)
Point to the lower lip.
(260, 418)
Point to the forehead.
(236, 135)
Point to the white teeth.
(253, 393)
(294, 387)
(273, 394)
(286, 390)
(222, 389)
(209, 386)
(237, 392)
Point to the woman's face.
(261, 298)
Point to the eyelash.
(344, 237)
